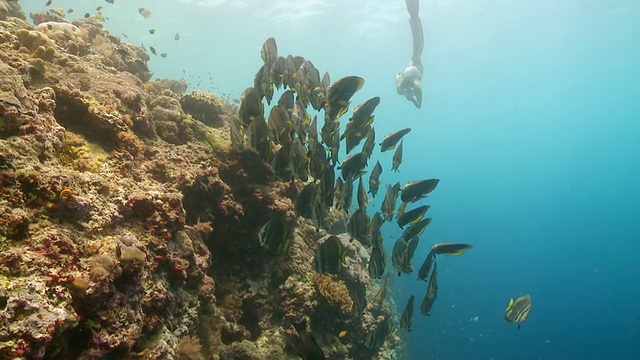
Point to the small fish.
(339, 94)
(275, 236)
(263, 84)
(153, 50)
(304, 203)
(280, 125)
(48, 3)
(176, 37)
(99, 8)
(407, 315)
(359, 124)
(377, 261)
(281, 163)
(374, 179)
(329, 257)
(144, 12)
(328, 186)
(411, 249)
(152, 31)
(390, 141)
(342, 334)
(358, 293)
(305, 344)
(258, 135)
(401, 209)
(397, 158)
(345, 196)
(416, 229)
(450, 249)
(69, 11)
(358, 226)
(425, 269)
(363, 114)
(269, 51)
(276, 73)
(518, 310)
(398, 256)
(164, 55)
(125, 35)
(110, 1)
(388, 206)
(299, 160)
(379, 297)
(432, 292)
(377, 337)
(352, 167)
(251, 106)
(87, 15)
(374, 229)
(363, 200)
(370, 142)
(417, 190)
(412, 216)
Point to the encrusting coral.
(128, 224)
(334, 292)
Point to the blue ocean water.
(530, 119)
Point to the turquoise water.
(530, 118)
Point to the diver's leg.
(413, 6)
(418, 41)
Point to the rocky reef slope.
(128, 224)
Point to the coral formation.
(335, 293)
(204, 106)
(128, 224)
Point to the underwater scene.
(319, 179)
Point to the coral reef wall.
(128, 224)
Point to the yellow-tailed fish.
(407, 315)
(450, 249)
(390, 141)
(416, 190)
(517, 310)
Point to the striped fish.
(518, 310)
(407, 315)
(432, 292)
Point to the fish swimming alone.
(146, 13)
(517, 310)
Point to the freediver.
(408, 80)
